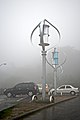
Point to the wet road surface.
(69, 110)
(8, 102)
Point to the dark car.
(29, 88)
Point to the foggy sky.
(19, 17)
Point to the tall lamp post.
(44, 34)
(55, 63)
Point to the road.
(69, 110)
(8, 102)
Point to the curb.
(40, 108)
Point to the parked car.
(65, 89)
(29, 88)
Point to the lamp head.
(44, 34)
(55, 56)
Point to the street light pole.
(44, 34)
(56, 66)
(43, 75)
(55, 63)
(55, 80)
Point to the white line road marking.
(20, 99)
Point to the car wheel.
(72, 93)
(9, 94)
(34, 98)
(30, 93)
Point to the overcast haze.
(17, 20)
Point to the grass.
(5, 113)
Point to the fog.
(17, 20)
(71, 68)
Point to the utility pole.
(55, 63)
(44, 34)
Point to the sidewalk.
(25, 108)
